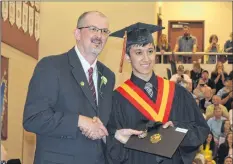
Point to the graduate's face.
(93, 38)
(142, 59)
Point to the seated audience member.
(228, 160)
(163, 46)
(226, 94)
(228, 45)
(225, 149)
(210, 83)
(227, 89)
(208, 148)
(195, 74)
(216, 103)
(213, 47)
(200, 90)
(225, 129)
(186, 43)
(181, 78)
(197, 161)
(218, 76)
(207, 100)
(215, 123)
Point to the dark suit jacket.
(55, 100)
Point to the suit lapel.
(80, 76)
(100, 89)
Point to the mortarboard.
(138, 33)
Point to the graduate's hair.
(212, 143)
(137, 45)
(81, 19)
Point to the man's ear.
(77, 34)
(127, 57)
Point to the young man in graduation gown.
(147, 97)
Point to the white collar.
(84, 62)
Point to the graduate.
(145, 98)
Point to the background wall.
(20, 70)
(217, 16)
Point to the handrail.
(196, 53)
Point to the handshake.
(92, 128)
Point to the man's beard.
(97, 49)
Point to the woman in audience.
(208, 148)
(163, 46)
(218, 76)
(196, 74)
(225, 149)
(213, 47)
(225, 129)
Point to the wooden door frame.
(188, 21)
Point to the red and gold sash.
(158, 111)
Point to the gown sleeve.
(116, 153)
(186, 114)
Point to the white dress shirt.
(86, 67)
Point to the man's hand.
(167, 124)
(123, 135)
(92, 128)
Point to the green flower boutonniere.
(104, 81)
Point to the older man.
(216, 102)
(70, 97)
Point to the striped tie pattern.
(91, 84)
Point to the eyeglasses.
(94, 29)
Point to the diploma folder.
(160, 141)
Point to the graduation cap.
(138, 33)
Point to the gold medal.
(155, 138)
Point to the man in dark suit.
(70, 97)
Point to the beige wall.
(56, 35)
(20, 70)
(217, 16)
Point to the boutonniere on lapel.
(103, 81)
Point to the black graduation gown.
(184, 114)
